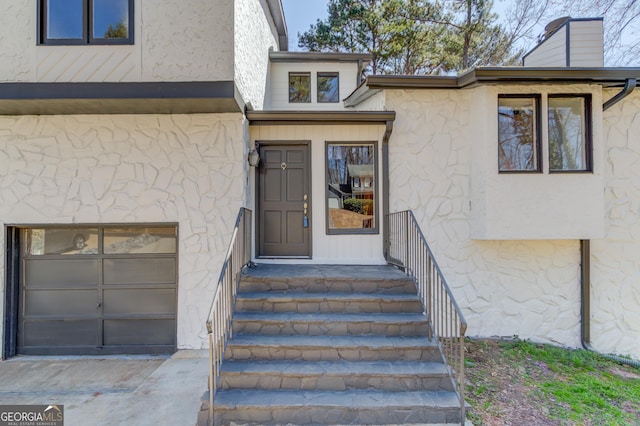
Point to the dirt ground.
(503, 390)
(502, 397)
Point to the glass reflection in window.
(568, 130)
(65, 19)
(328, 87)
(111, 19)
(140, 240)
(517, 134)
(299, 87)
(351, 188)
(61, 241)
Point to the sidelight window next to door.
(98, 290)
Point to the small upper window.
(518, 146)
(328, 88)
(86, 22)
(569, 133)
(299, 87)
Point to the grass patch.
(519, 382)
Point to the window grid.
(568, 137)
(59, 25)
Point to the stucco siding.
(185, 169)
(519, 288)
(615, 272)
(534, 206)
(18, 22)
(254, 36)
(186, 40)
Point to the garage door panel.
(136, 271)
(140, 301)
(139, 332)
(119, 297)
(60, 273)
(62, 302)
(61, 333)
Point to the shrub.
(359, 206)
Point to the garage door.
(98, 290)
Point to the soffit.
(119, 98)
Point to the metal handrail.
(408, 249)
(221, 311)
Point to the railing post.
(446, 322)
(219, 321)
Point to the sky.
(300, 14)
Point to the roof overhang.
(318, 57)
(277, 14)
(120, 98)
(607, 77)
(281, 118)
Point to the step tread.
(376, 342)
(329, 272)
(336, 368)
(396, 318)
(353, 399)
(283, 296)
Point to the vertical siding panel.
(330, 248)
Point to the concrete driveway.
(115, 390)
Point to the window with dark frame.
(71, 22)
(328, 87)
(299, 87)
(569, 133)
(351, 194)
(518, 133)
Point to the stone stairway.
(332, 345)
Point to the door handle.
(305, 206)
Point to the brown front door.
(284, 201)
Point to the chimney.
(569, 42)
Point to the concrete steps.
(332, 345)
(328, 302)
(336, 407)
(395, 376)
(332, 324)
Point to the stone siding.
(528, 289)
(615, 270)
(187, 169)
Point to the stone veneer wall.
(615, 260)
(519, 288)
(187, 169)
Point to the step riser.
(334, 383)
(239, 353)
(331, 345)
(403, 286)
(336, 415)
(329, 329)
(328, 306)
